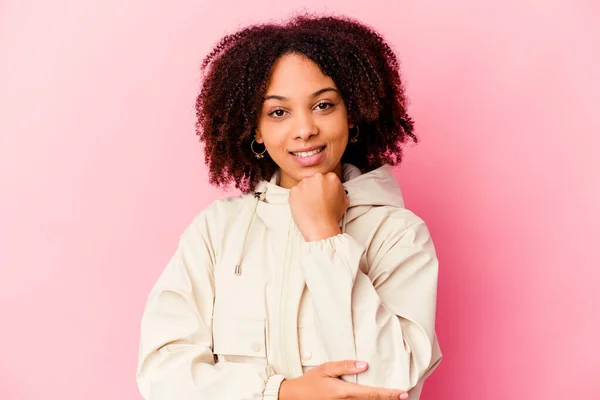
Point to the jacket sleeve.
(378, 304)
(175, 356)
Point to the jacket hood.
(375, 188)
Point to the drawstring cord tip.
(238, 270)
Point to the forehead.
(296, 75)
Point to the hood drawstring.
(259, 196)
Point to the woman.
(317, 271)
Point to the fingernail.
(404, 396)
(361, 364)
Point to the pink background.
(100, 171)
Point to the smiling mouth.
(308, 153)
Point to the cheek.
(341, 141)
(340, 134)
(338, 126)
(274, 143)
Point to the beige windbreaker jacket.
(245, 302)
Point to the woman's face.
(303, 122)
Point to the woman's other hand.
(323, 383)
(318, 203)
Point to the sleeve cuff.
(342, 249)
(272, 387)
(329, 244)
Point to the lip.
(307, 149)
(310, 160)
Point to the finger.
(332, 176)
(338, 368)
(360, 392)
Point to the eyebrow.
(315, 94)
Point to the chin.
(310, 171)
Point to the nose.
(305, 127)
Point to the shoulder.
(219, 216)
(226, 208)
(398, 226)
(403, 219)
(400, 238)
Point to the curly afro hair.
(237, 71)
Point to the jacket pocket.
(311, 351)
(239, 339)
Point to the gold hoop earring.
(257, 154)
(354, 139)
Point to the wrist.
(272, 387)
(324, 231)
(284, 390)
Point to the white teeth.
(308, 153)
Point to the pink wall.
(100, 171)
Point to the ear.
(351, 125)
(258, 137)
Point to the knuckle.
(326, 368)
(348, 365)
(343, 393)
(374, 396)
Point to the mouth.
(309, 157)
(308, 152)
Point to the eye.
(278, 113)
(324, 105)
